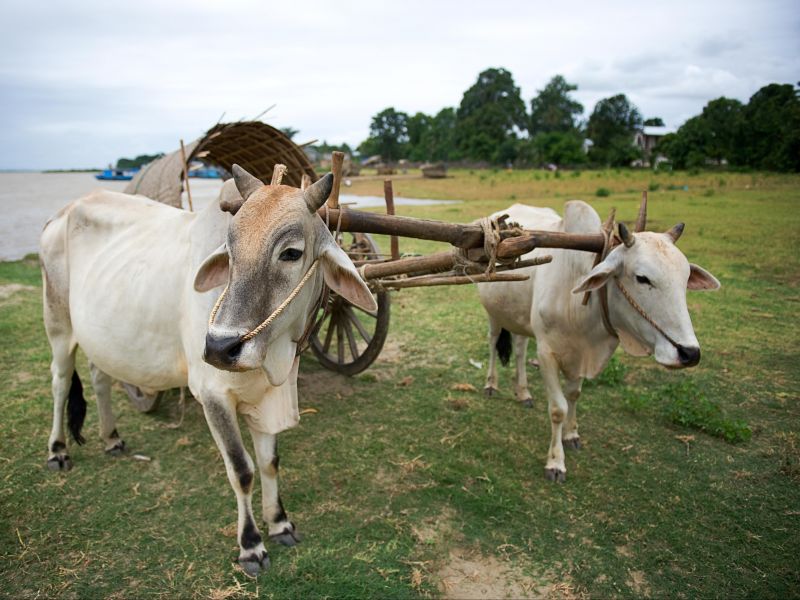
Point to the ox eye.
(291, 254)
(643, 279)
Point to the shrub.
(653, 187)
(602, 192)
(612, 376)
(690, 407)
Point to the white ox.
(129, 280)
(571, 338)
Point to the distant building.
(647, 138)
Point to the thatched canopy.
(254, 145)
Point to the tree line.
(493, 125)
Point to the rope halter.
(275, 313)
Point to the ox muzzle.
(222, 351)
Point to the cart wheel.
(142, 402)
(349, 339)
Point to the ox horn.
(675, 232)
(316, 194)
(626, 236)
(641, 220)
(245, 183)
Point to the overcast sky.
(83, 82)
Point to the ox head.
(649, 269)
(272, 241)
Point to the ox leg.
(491, 375)
(101, 382)
(281, 529)
(555, 469)
(521, 390)
(62, 367)
(221, 418)
(572, 390)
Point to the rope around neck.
(275, 313)
(644, 315)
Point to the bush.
(653, 187)
(688, 406)
(602, 192)
(612, 376)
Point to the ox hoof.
(255, 563)
(489, 391)
(555, 475)
(572, 443)
(117, 449)
(287, 537)
(60, 462)
(527, 403)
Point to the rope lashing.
(275, 313)
(494, 231)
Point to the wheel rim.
(349, 338)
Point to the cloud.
(84, 83)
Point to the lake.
(28, 200)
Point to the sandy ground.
(28, 200)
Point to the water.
(28, 200)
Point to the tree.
(388, 135)
(552, 110)
(290, 132)
(438, 140)
(771, 129)
(559, 148)
(417, 125)
(139, 161)
(611, 128)
(654, 122)
(491, 112)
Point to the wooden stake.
(277, 174)
(337, 159)
(388, 195)
(186, 176)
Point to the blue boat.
(203, 171)
(116, 174)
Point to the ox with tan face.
(134, 282)
(645, 278)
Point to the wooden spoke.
(329, 335)
(340, 341)
(359, 325)
(351, 339)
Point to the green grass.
(388, 479)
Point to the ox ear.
(213, 272)
(341, 276)
(316, 195)
(700, 279)
(598, 276)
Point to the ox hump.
(579, 217)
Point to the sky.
(85, 82)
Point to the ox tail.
(503, 347)
(76, 408)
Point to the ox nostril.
(688, 356)
(223, 350)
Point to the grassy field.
(406, 483)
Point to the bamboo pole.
(337, 159)
(186, 176)
(428, 281)
(388, 195)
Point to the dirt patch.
(9, 289)
(638, 584)
(392, 352)
(325, 384)
(471, 576)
